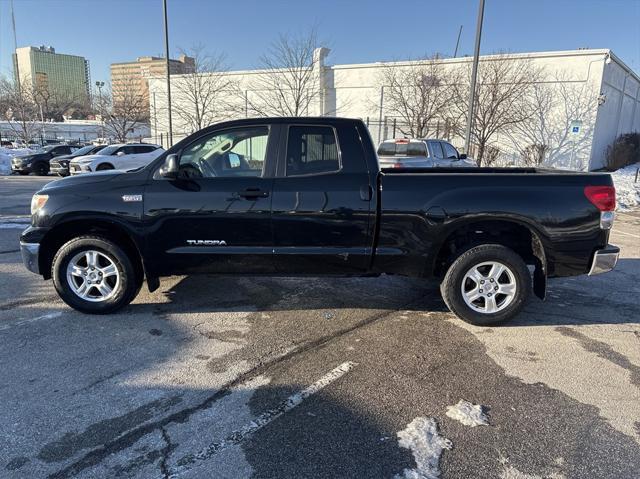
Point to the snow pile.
(627, 192)
(5, 158)
(468, 414)
(422, 439)
(511, 472)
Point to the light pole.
(474, 74)
(166, 54)
(155, 119)
(99, 85)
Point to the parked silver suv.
(416, 153)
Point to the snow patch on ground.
(468, 414)
(5, 158)
(627, 192)
(510, 472)
(422, 439)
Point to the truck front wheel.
(94, 275)
(486, 285)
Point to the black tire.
(126, 289)
(41, 169)
(105, 166)
(451, 286)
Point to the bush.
(535, 154)
(625, 150)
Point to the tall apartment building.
(133, 76)
(56, 74)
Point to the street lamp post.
(155, 119)
(166, 54)
(99, 85)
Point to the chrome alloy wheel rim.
(93, 276)
(489, 287)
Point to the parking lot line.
(21, 322)
(236, 437)
(625, 233)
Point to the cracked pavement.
(236, 377)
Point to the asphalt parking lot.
(301, 377)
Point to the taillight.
(602, 197)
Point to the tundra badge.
(206, 242)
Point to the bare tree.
(202, 96)
(56, 105)
(500, 98)
(122, 108)
(19, 109)
(417, 94)
(289, 81)
(545, 136)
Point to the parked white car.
(116, 157)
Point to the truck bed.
(480, 171)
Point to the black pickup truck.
(305, 196)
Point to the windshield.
(392, 148)
(46, 149)
(109, 150)
(84, 151)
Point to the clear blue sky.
(106, 31)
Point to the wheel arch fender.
(471, 231)
(103, 225)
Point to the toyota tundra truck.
(306, 196)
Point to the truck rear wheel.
(94, 275)
(486, 285)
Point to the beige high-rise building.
(55, 75)
(133, 76)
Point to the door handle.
(253, 193)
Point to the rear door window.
(311, 150)
(436, 149)
(144, 148)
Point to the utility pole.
(100, 84)
(474, 75)
(455, 53)
(166, 54)
(155, 119)
(380, 115)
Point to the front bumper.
(75, 169)
(21, 167)
(59, 169)
(604, 260)
(29, 253)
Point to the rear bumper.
(604, 260)
(30, 253)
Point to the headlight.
(37, 202)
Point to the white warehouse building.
(596, 99)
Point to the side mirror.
(120, 153)
(170, 168)
(462, 156)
